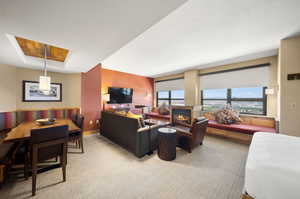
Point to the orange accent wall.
(143, 87)
(91, 96)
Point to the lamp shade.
(106, 97)
(44, 84)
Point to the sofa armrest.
(143, 129)
(156, 126)
(183, 133)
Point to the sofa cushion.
(243, 128)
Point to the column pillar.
(191, 88)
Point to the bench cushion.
(12, 119)
(242, 128)
(157, 115)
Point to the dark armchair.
(189, 138)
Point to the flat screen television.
(120, 95)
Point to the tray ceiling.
(37, 49)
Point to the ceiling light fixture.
(45, 81)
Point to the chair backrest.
(49, 141)
(74, 118)
(198, 130)
(80, 121)
(48, 134)
(3, 134)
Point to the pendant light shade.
(45, 81)
(44, 84)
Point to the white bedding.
(273, 167)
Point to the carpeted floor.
(213, 171)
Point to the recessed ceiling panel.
(37, 49)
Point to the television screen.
(120, 95)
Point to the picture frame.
(31, 93)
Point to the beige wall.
(191, 84)
(7, 88)
(289, 56)
(71, 88)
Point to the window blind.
(177, 84)
(252, 77)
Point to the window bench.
(241, 132)
(154, 115)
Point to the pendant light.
(45, 81)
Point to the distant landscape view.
(242, 107)
(244, 100)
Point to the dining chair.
(7, 151)
(48, 143)
(74, 118)
(77, 136)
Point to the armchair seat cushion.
(242, 128)
(182, 129)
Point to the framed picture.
(31, 92)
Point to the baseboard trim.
(90, 132)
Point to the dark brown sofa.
(127, 133)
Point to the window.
(249, 100)
(174, 97)
(214, 99)
(245, 100)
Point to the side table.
(167, 144)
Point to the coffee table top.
(166, 130)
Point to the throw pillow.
(164, 109)
(123, 113)
(132, 115)
(227, 116)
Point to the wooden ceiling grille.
(37, 49)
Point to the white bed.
(273, 167)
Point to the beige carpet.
(213, 171)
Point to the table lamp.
(105, 99)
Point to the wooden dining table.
(23, 131)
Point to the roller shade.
(252, 77)
(177, 84)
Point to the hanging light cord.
(45, 61)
